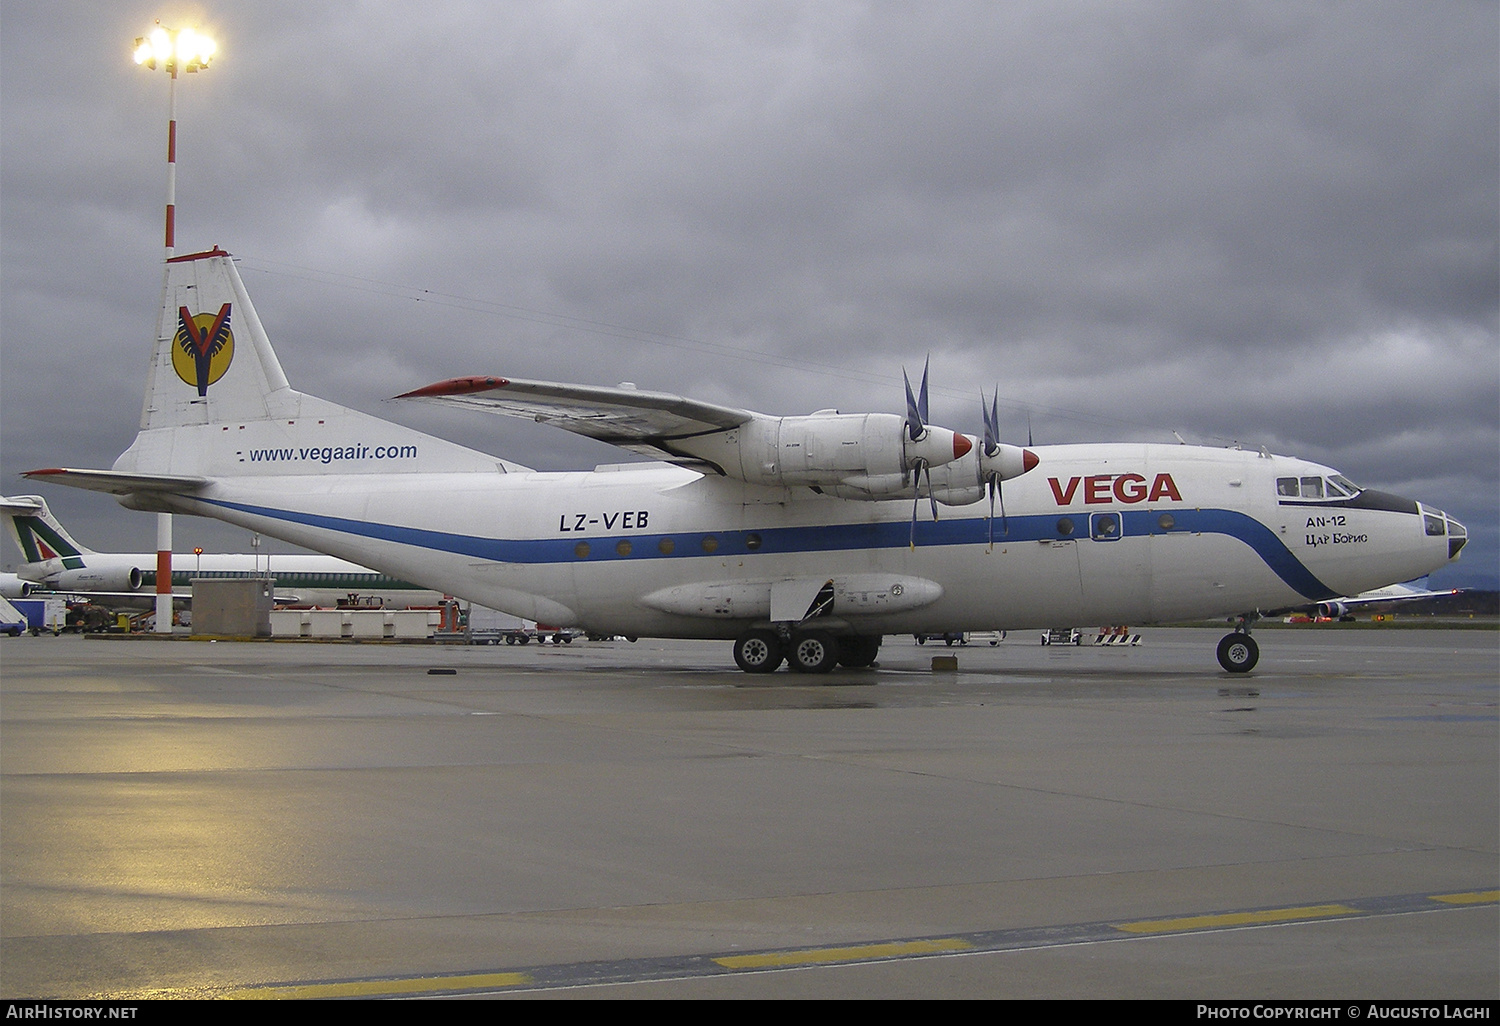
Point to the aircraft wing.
(1393, 594)
(117, 482)
(640, 421)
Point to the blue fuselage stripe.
(887, 534)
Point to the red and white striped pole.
(164, 520)
(170, 48)
(171, 159)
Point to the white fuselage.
(311, 580)
(1121, 533)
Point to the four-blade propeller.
(995, 461)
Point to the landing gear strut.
(1238, 652)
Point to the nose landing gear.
(1238, 652)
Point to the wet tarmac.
(606, 819)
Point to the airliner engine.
(86, 579)
(12, 586)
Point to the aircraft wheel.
(859, 650)
(1238, 653)
(814, 652)
(759, 652)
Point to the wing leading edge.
(638, 421)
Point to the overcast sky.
(1266, 222)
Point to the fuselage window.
(1104, 526)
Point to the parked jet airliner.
(53, 561)
(799, 538)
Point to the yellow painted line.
(851, 954)
(1468, 897)
(375, 988)
(1277, 915)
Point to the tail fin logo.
(40, 543)
(202, 348)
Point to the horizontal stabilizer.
(117, 482)
(24, 505)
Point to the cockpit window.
(1457, 538)
(1336, 487)
(1434, 524)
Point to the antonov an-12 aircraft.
(803, 539)
(53, 562)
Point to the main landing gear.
(1238, 652)
(763, 650)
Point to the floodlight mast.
(173, 49)
(190, 51)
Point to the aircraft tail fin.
(219, 405)
(38, 534)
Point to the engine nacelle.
(867, 454)
(12, 586)
(88, 579)
(1332, 610)
(958, 482)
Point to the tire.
(813, 652)
(1238, 653)
(921, 639)
(759, 652)
(859, 650)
